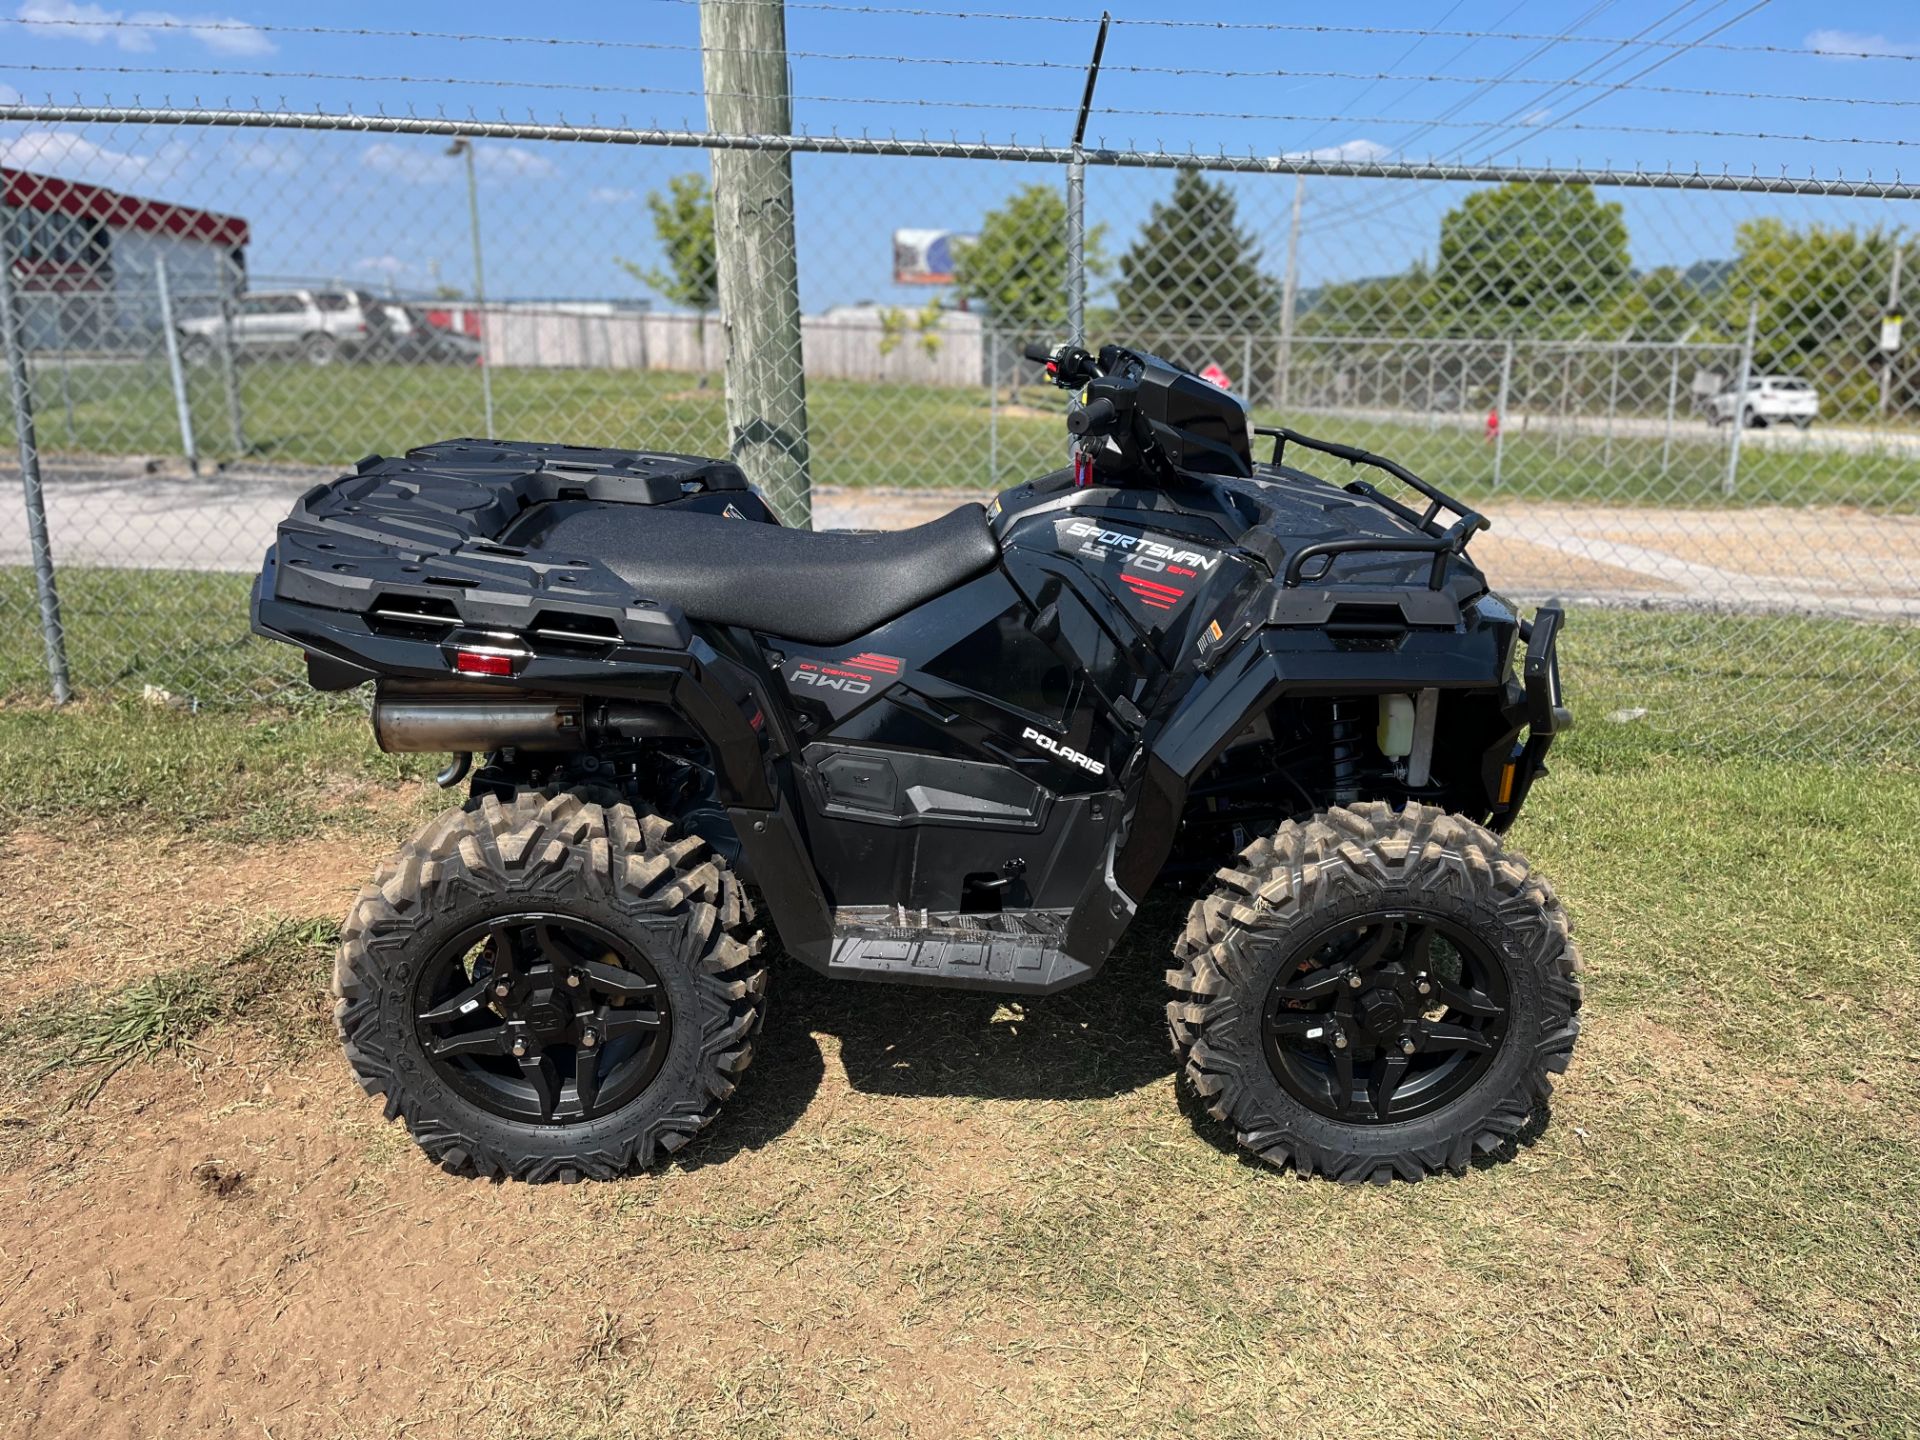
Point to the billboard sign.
(926, 257)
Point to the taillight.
(484, 662)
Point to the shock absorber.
(1348, 733)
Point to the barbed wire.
(1725, 179)
(921, 102)
(993, 62)
(1302, 28)
(592, 88)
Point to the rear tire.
(1363, 870)
(629, 880)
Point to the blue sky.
(399, 205)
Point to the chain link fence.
(1681, 398)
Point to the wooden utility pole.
(745, 65)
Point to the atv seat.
(823, 587)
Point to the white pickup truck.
(1770, 400)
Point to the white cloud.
(1537, 117)
(1356, 152)
(512, 160)
(392, 266)
(428, 162)
(219, 33)
(136, 33)
(264, 157)
(1851, 44)
(90, 23)
(612, 195)
(72, 156)
(9, 95)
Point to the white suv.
(1771, 400)
(318, 326)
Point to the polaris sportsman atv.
(958, 755)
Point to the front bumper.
(1546, 711)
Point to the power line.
(1373, 81)
(1535, 54)
(1606, 64)
(1643, 73)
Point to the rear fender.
(718, 698)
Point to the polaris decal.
(1064, 752)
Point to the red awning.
(22, 190)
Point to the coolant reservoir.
(1395, 735)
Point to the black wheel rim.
(1386, 1017)
(543, 1018)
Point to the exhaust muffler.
(418, 724)
(407, 722)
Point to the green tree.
(683, 224)
(1403, 304)
(1193, 267)
(1016, 269)
(1820, 291)
(1531, 258)
(1663, 304)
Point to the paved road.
(1688, 430)
(1768, 559)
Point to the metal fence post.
(1077, 200)
(1613, 404)
(1290, 292)
(1077, 248)
(175, 371)
(1740, 401)
(464, 146)
(1673, 395)
(1500, 411)
(13, 326)
(66, 392)
(993, 407)
(229, 373)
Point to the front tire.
(1375, 993)
(550, 989)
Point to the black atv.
(959, 755)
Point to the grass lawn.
(876, 434)
(935, 1214)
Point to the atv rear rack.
(1442, 540)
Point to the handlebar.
(1095, 415)
(1037, 352)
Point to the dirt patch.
(1526, 567)
(102, 908)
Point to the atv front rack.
(1441, 540)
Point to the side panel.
(951, 760)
